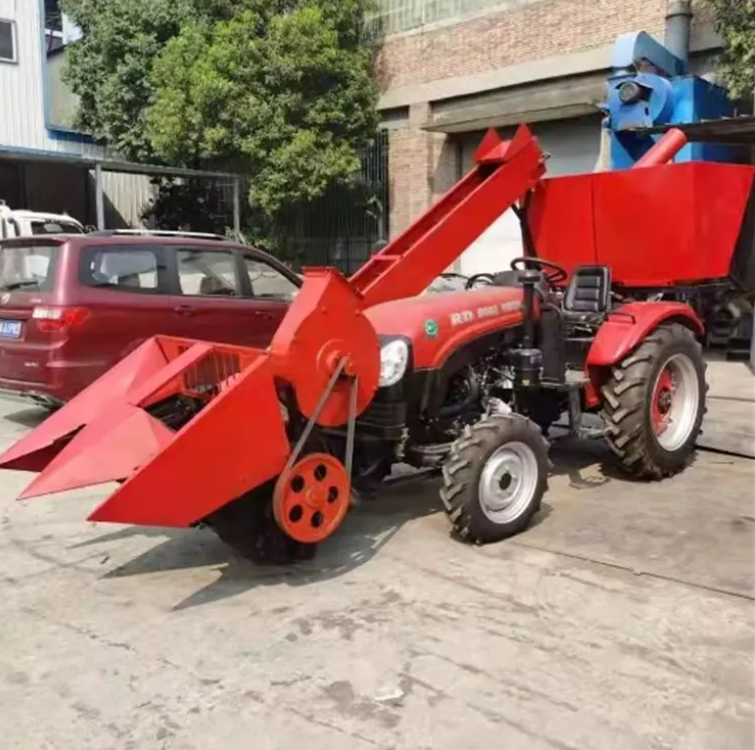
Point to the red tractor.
(266, 447)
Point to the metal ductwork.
(679, 28)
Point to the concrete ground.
(623, 620)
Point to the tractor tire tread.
(624, 407)
(464, 465)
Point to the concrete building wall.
(538, 60)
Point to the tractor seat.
(588, 295)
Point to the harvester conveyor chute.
(235, 436)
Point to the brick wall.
(526, 32)
(423, 165)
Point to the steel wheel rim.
(675, 402)
(508, 482)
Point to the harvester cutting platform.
(266, 447)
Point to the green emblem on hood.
(431, 329)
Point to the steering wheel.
(556, 275)
(473, 281)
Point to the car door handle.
(184, 310)
(264, 315)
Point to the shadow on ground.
(572, 457)
(30, 417)
(367, 529)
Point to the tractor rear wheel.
(654, 403)
(495, 478)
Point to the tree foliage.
(735, 21)
(109, 67)
(287, 95)
(280, 90)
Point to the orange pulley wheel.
(311, 499)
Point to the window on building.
(53, 16)
(7, 41)
(53, 26)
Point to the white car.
(30, 223)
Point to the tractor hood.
(439, 324)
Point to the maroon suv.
(72, 306)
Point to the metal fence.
(341, 229)
(345, 226)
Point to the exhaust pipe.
(679, 28)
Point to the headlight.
(394, 358)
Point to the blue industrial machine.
(650, 86)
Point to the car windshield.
(28, 268)
(55, 227)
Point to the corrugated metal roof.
(110, 165)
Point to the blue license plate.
(10, 329)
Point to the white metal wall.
(22, 116)
(574, 146)
(127, 195)
(22, 122)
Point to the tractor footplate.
(311, 499)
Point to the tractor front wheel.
(654, 403)
(495, 478)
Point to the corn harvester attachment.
(189, 427)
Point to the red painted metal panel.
(561, 219)
(629, 324)
(324, 326)
(35, 450)
(235, 444)
(110, 448)
(670, 225)
(409, 264)
(457, 318)
(655, 226)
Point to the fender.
(629, 324)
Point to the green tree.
(735, 21)
(280, 90)
(109, 67)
